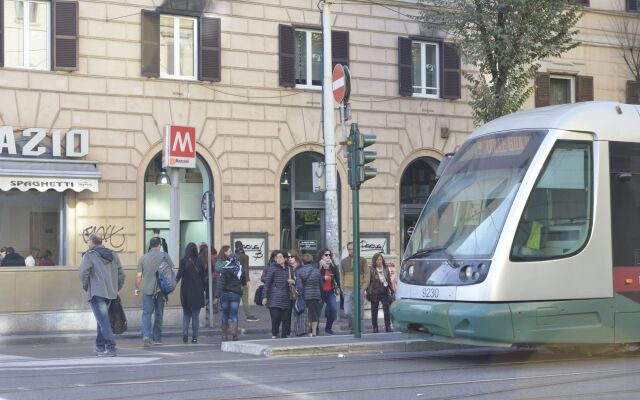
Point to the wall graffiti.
(111, 235)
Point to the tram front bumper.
(455, 321)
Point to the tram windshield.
(465, 213)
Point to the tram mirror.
(443, 165)
(624, 176)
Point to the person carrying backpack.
(153, 300)
(230, 283)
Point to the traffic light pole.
(355, 195)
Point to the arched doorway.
(302, 212)
(416, 185)
(193, 183)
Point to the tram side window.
(557, 218)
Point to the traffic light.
(358, 158)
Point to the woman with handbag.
(277, 294)
(192, 273)
(292, 264)
(309, 287)
(378, 290)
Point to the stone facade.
(248, 127)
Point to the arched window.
(193, 183)
(416, 185)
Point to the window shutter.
(543, 87)
(584, 88)
(65, 30)
(1, 33)
(150, 44)
(405, 66)
(340, 48)
(210, 51)
(585, 3)
(451, 81)
(632, 5)
(286, 48)
(633, 92)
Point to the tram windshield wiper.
(427, 251)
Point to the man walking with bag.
(102, 278)
(152, 299)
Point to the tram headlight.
(466, 273)
(410, 271)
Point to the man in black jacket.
(12, 259)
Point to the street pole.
(328, 127)
(174, 215)
(355, 262)
(209, 263)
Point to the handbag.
(257, 298)
(300, 305)
(117, 317)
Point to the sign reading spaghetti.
(179, 147)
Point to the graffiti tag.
(110, 234)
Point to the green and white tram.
(532, 234)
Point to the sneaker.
(251, 318)
(329, 332)
(185, 338)
(107, 353)
(146, 342)
(274, 337)
(157, 342)
(194, 340)
(98, 350)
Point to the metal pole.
(342, 123)
(355, 194)
(174, 215)
(209, 266)
(328, 127)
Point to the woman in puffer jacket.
(276, 289)
(309, 286)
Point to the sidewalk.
(339, 345)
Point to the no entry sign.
(341, 83)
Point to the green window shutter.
(584, 88)
(451, 79)
(65, 33)
(286, 55)
(339, 48)
(405, 67)
(210, 50)
(150, 64)
(543, 89)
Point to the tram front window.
(467, 209)
(557, 218)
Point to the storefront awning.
(40, 174)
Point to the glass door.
(309, 230)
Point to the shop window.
(31, 224)
(428, 68)
(180, 47)
(300, 55)
(27, 29)
(554, 89)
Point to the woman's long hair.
(191, 251)
(375, 259)
(321, 252)
(223, 252)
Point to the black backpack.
(259, 295)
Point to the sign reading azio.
(179, 147)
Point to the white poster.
(372, 243)
(255, 246)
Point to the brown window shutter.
(451, 80)
(405, 66)
(584, 88)
(633, 92)
(150, 44)
(65, 28)
(1, 33)
(339, 48)
(210, 51)
(543, 89)
(286, 48)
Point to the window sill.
(30, 69)
(178, 78)
(426, 96)
(309, 87)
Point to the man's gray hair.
(154, 242)
(95, 239)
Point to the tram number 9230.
(430, 293)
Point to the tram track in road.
(321, 369)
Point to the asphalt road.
(177, 371)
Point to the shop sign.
(255, 246)
(374, 242)
(43, 184)
(33, 147)
(307, 245)
(179, 147)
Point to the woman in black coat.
(192, 273)
(277, 292)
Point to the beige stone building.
(93, 84)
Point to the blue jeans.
(349, 306)
(193, 316)
(229, 303)
(100, 308)
(152, 305)
(331, 310)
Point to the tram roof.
(608, 120)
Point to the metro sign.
(179, 147)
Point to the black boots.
(375, 329)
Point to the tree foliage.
(627, 37)
(505, 40)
